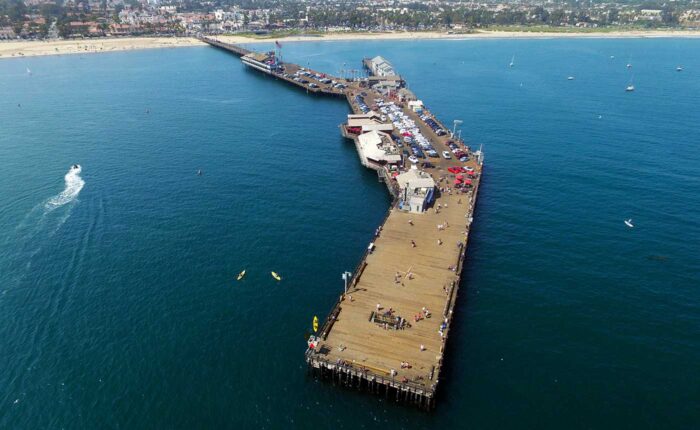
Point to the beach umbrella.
(460, 177)
(468, 182)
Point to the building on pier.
(379, 66)
(378, 147)
(363, 123)
(264, 61)
(417, 190)
(416, 106)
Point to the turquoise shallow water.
(118, 307)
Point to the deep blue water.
(118, 305)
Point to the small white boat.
(29, 72)
(570, 78)
(628, 223)
(629, 65)
(512, 62)
(679, 69)
(629, 88)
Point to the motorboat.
(75, 166)
(276, 276)
(628, 223)
(629, 88)
(570, 78)
(240, 276)
(679, 69)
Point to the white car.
(446, 154)
(413, 159)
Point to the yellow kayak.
(240, 275)
(315, 324)
(276, 276)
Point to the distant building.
(651, 14)
(417, 190)
(381, 67)
(7, 33)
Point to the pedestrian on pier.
(410, 221)
(413, 243)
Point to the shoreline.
(24, 49)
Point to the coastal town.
(77, 19)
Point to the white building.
(417, 190)
(381, 67)
(377, 147)
(416, 105)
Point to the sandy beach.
(15, 49)
(26, 48)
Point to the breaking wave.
(74, 183)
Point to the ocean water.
(118, 301)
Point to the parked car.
(413, 159)
(446, 154)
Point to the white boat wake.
(42, 223)
(74, 183)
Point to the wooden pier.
(388, 333)
(230, 47)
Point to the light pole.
(346, 277)
(454, 127)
